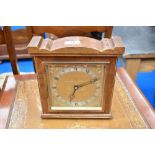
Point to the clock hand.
(72, 95)
(87, 83)
(76, 87)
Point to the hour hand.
(73, 94)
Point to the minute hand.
(87, 83)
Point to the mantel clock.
(75, 75)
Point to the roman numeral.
(56, 78)
(87, 70)
(75, 68)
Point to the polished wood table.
(20, 106)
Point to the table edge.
(139, 55)
(140, 100)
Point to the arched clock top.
(76, 45)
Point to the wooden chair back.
(6, 38)
(63, 31)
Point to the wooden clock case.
(76, 49)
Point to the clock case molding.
(76, 50)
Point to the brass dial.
(75, 85)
